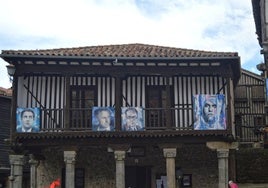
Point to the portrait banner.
(209, 112)
(132, 119)
(28, 120)
(103, 118)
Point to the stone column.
(16, 162)
(223, 155)
(33, 165)
(69, 159)
(222, 149)
(170, 154)
(120, 168)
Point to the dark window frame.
(80, 114)
(159, 116)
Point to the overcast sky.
(223, 25)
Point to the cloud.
(224, 25)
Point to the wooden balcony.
(53, 120)
(159, 123)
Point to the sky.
(223, 26)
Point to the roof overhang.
(232, 61)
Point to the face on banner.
(209, 112)
(28, 120)
(132, 119)
(102, 118)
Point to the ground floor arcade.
(123, 166)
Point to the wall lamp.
(11, 71)
(261, 67)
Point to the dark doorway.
(138, 177)
(157, 101)
(83, 98)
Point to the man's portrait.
(103, 119)
(209, 112)
(28, 120)
(132, 119)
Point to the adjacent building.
(5, 111)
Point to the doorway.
(138, 177)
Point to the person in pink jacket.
(55, 183)
(232, 184)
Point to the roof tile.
(5, 92)
(123, 50)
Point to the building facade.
(131, 115)
(250, 117)
(5, 111)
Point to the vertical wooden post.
(14, 102)
(230, 107)
(67, 107)
(118, 102)
(168, 104)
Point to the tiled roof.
(123, 50)
(5, 92)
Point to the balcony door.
(82, 101)
(157, 101)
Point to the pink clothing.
(55, 183)
(233, 185)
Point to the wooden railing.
(247, 134)
(81, 119)
(180, 119)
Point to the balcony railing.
(248, 134)
(81, 119)
(180, 119)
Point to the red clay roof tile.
(124, 50)
(5, 92)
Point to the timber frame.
(62, 64)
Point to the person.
(55, 183)
(232, 184)
(104, 120)
(27, 121)
(132, 122)
(211, 113)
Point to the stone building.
(64, 90)
(5, 111)
(250, 159)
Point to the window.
(258, 92)
(259, 123)
(82, 101)
(156, 104)
(241, 93)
